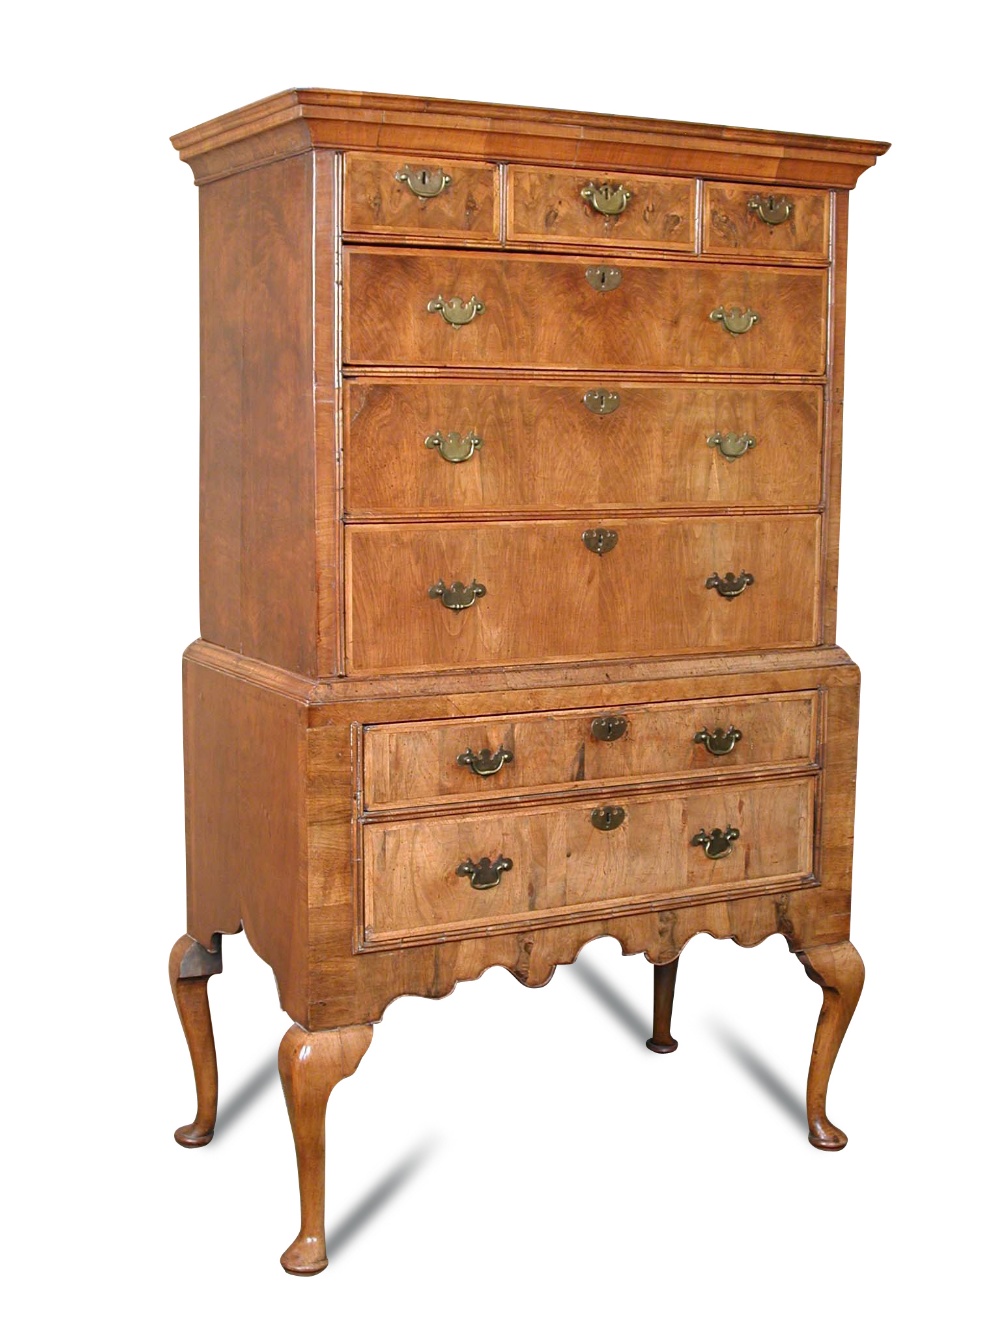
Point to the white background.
(506, 1158)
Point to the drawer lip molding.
(410, 891)
(377, 203)
(534, 307)
(651, 453)
(414, 764)
(551, 600)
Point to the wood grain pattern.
(258, 502)
(730, 227)
(543, 451)
(838, 969)
(417, 763)
(541, 311)
(191, 965)
(375, 203)
(311, 1064)
(561, 863)
(548, 597)
(295, 121)
(547, 206)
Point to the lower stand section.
(664, 981)
(311, 1064)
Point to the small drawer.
(484, 757)
(474, 874)
(457, 308)
(456, 595)
(766, 220)
(400, 196)
(639, 212)
(450, 447)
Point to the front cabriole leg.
(191, 965)
(839, 970)
(311, 1064)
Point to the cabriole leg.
(664, 981)
(839, 970)
(311, 1064)
(191, 965)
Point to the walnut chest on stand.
(520, 472)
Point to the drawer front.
(548, 597)
(543, 311)
(415, 763)
(656, 212)
(735, 221)
(497, 448)
(560, 864)
(377, 203)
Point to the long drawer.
(538, 592)
(534, 311)
(471, 873)
(482, 757)
(438, 446)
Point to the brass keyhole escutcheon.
(610, 728)
(718, 741)
(716, 844)
(600, 540)
(602, 402)
(484, 873)
(608, 817)
(604, 277)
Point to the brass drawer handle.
(600, 540)
(716, 844)
(484, 874)
(734, 320)
(607, 817)
(718, 741)
(455, 311)
(610, 728)
(770, 209)
(602, 402)
(607, 198)
(456, 596)
(731, 585)
(484, 764)
(604, 277)
(731, 445)
(425, 182)
(454, 447)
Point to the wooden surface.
(838, 969)
(544, 451)
(190, 967)
(547, 206)
(562, 864)
(548, 597)
(299, 120)
(417, 763)
(731, 228)
(375, 203)
(664, 984)
(540, 311)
